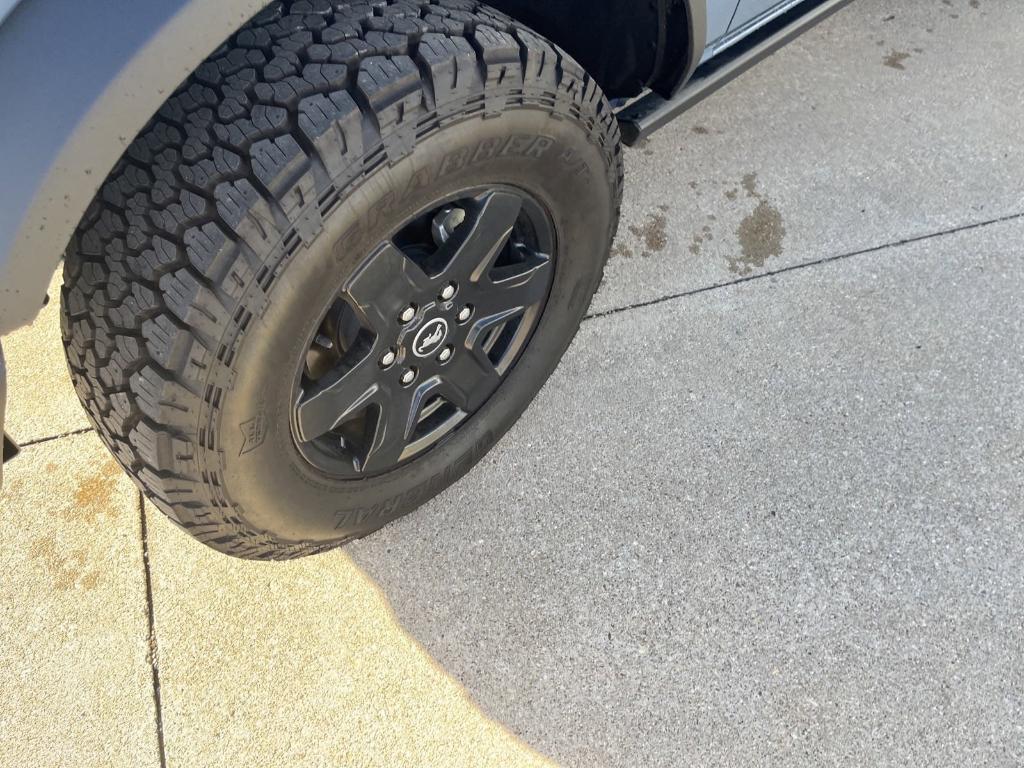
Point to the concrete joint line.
(804, 265)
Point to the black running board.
(651, 112)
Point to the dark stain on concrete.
(95, 494)
(704, 236)
(760, 233)
(652, 232)
(621, 250)
(760, 236)
(895, 59)
(67, 571)
(750, 185)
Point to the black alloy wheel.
(424, 331)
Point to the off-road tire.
(191, 244)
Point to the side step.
(651, 112)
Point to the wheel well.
(60, 150)
(624, 44)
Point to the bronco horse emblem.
(430, 337)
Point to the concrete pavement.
(767, 511)
(804, 547)
(75, 649)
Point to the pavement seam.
(802, 265)
(49, 438)
(154, 656)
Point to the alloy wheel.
(423, 332)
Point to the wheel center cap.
(430, 337)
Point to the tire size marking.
(534, 146)
(488, 149)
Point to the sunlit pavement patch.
(75, 680)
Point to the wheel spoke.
(398, 414)
(513, 289)
(469, 379)
(483, 236)
(341, 397)
(374, 288)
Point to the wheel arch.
(625, 45)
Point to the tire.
(213, 250)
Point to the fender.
(78, 80)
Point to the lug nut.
(448, 292)
(446, 355)
(388, 359)
(408, 377)
(464, 314)
(408, 314)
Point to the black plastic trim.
(684, 37)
